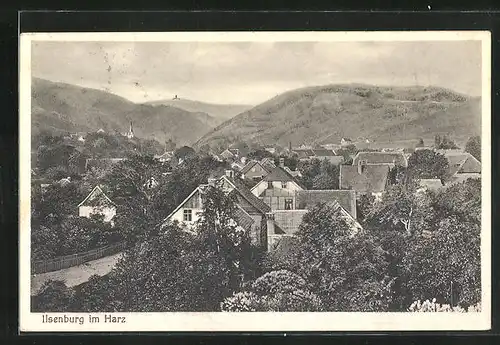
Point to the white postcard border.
(280, 322)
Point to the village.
(273, 189)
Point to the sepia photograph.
(270, 181)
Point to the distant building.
(365, 178)
(271, 150)
(100, 130)
(97, 202)
(277, 189)
(228, 154)
(255, 171)
(462, 166)
(345, 142)
(249, 215)
(130, 133)
(390, 158)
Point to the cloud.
(252, 72)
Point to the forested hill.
(325, 114)
(60, 107)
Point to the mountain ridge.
(326, 113)
(62, 107)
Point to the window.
(283, 185)
(188, 215)
(288, 204)
(253, 169)
(269, 185)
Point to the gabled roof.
(251, 164)
(303, 153)
(95, 193)
(307, 199)
(247, 195)
(268, 163)
(278, 174)
(288, 221)
(462, 163)
(197, 189)
(372, 179)
(336, 160)
(242, 218)
(397, 158)
(323, 152)
(226, 154)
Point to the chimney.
(229, 173)
(361, 166)
(282, 162)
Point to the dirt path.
(76, 275)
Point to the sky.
(253, 72)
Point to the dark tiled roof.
(242, 218)
(372, 179)
(252, 163)
(288, 222)
(268, 164)
(462, 162)
(307, 199)
(248, 195)
(332, 159)
(304, 153)
(397, 158)
(323, 152)
(278, 174)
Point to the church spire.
(130, 133)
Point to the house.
(303, 154)
(189, 211)
(268, 163)
(255, 170)
(462, 166)
(277, 189)
(97, 202)
(271, 150)
(237, 166)
(228, 154)
(345, 142)
(321, 152)
(390, 158)
(364, 178)
(293, 173)
(100, 130)
(335, 160)
(282, 225)
(307, 199)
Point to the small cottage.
(97, 202)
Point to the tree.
(427, 164)
(324, 256)
(473, 146)
(444, 143)
(53, 296)
(259, 154)
(184, 152)
(278, 291)
(447, 265)
(218, 233)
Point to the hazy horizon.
(249, 73)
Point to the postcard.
(255, 181)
